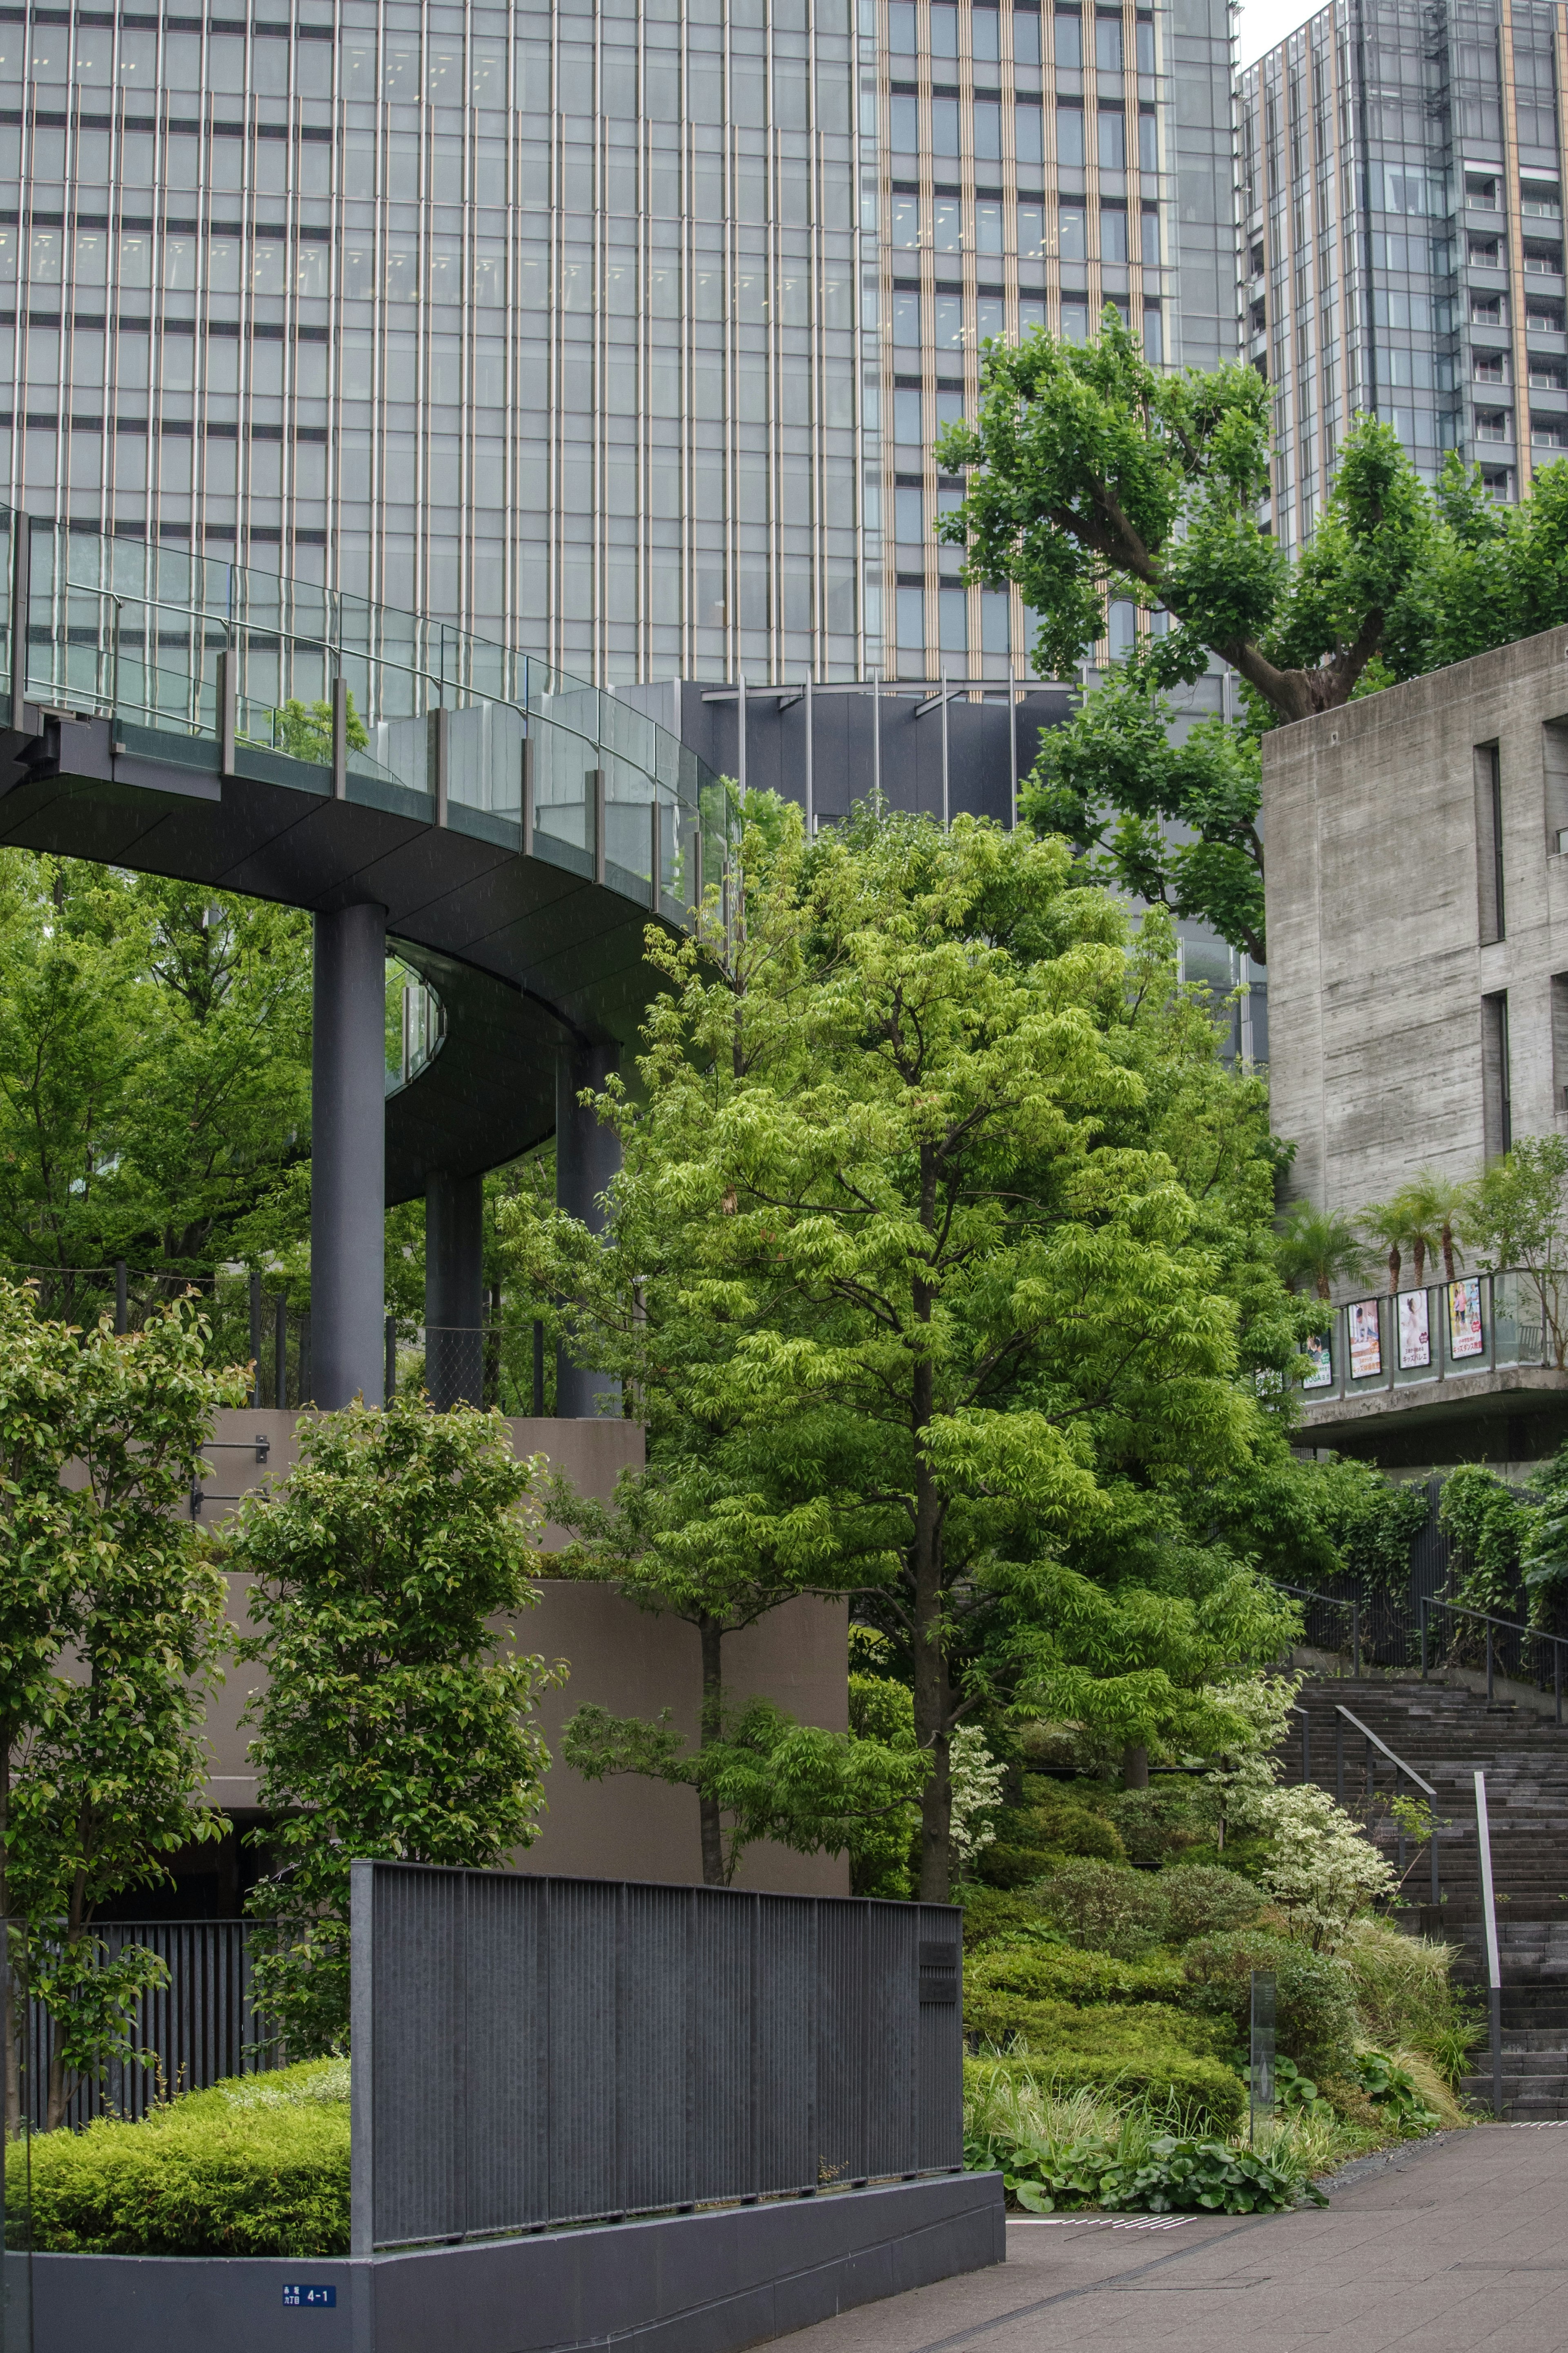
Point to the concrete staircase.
(1444, 1731)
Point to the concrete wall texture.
(622, 1657)
(1409, 1029)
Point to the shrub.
(1203, 1900)
(990, 1912)
(1317, 2023)
(1322, 1873)
(1197, 2093)
(1050, 1823)
(1105, 1906)
(1042, 1972)
(1197, 2176)
(1158, 1824)
(259, 2165)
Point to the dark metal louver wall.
(531, 2050)
(202, 2025)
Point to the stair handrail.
(1489, 1919)
(1332, 1601)
(1511, 1625)
(1343, 1716)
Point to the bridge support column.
(586, 1156)
(348, 1157)
(454, 1289)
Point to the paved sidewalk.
(1448, 2247)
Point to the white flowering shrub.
(1322, 1873)
(978, 1781)
(1246, 1780)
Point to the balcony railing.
(1441, 1332)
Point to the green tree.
(306, 729)
(394, 1722)
(958, 1312)
(110, 1614)
(155, 1069)
(1092, 475)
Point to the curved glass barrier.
(416, 1023)
(161, 641)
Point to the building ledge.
(1499, 1392)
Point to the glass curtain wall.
(1401, 175)
(544, 321)
(1029, 172)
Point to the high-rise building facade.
(616, 328)
(1401, 236)
(1033, 165)
(546, 318)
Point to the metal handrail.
(1511, 1626)
(1343, 1716)
(1488, 1919)
(1333, 1602)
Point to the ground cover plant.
(255, 2166)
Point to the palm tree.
(1388, 1225)
(1318, 1246)
(1432, 1206)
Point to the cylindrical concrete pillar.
(454, 1289)
(588, 1155)
(348, 1157)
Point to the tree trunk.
(1136, 1767)
(711, 1634)
(1394, 1265)
(1419, 1253)
(1447, 1250)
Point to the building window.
(1543, 260)
(1070, 42)
(1547, 375)
(1108, 44)
(1560, 1041)
(1112, 139)
(1488, 842)
(1490, 368)
(1548, 432)
(1497, 1111)
(1484, 251)
(1487, 311)
(1070, 137)
(1493, 424)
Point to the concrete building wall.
(624, 1659)
(1386, 1053)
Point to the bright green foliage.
(1050, 1822)
(395, 1720)
(938, 1228)
(258, 2166)
(306, 730)
(154, 1069)
(110, 1613)
(1092, 474)
(880, 1850)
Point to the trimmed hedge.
(259, 2165)
(1037, 1971)
(1203, 2088)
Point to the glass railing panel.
(484, 759)
(399, 750)
(563, 795)
(629, 826)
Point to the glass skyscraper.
(618, 331)
(1401, 231)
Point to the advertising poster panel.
(1366, 1338)
(1466, 1338)
(1320, 1360)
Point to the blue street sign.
(301, 2295)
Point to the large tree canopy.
(1092, 475)
(939, 1268)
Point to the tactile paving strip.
(1098, 2222)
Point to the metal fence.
(202, 2025)
(531, 2051)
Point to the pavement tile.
(1454, 2246)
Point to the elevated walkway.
(509, 830)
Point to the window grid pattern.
(1028, 179)
(550, 324)
(1402, 171)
